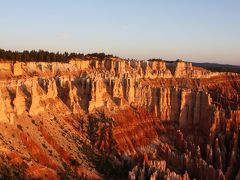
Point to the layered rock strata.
(141, 97)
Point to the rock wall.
(176, 92)
(148, 100)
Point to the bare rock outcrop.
(186, 119)
(20, 101)
(37, 93)
(6, 108)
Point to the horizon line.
(122, 57)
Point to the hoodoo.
(138, 119)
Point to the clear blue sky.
(203, 30)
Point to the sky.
(198, 31)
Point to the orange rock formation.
(185, 118)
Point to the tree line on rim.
(45, 56)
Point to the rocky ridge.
(148, 100)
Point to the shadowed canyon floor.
(118, 119)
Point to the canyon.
(118, 119)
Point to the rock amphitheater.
(118, 119)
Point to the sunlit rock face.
(183, 117)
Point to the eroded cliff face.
(148, 101)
